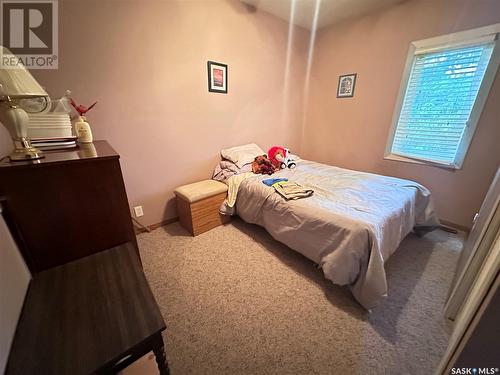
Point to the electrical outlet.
(138, 211)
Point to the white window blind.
(442, 88)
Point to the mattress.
(350, 226)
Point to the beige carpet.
(237, 302)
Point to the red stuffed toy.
(278, 156)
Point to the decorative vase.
(83, 131)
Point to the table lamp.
(16, 84)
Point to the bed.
(350, 226)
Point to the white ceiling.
(330, 11)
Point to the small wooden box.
(198, 206)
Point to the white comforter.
(350, 226)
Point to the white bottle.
(83, 131)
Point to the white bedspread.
(350, 226)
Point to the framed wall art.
(217, 77)
(346, 85)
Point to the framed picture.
(346, 86)
(217, 77)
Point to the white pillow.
(242, 155)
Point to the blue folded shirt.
(272, 181)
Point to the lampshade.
(18, 82)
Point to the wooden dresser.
(66, 206)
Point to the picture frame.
(217, 77)
(347, 83)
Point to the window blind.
(441, 91)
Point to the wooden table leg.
(161, 357)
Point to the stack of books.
(57, 143)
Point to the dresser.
(66, 206)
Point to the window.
(444, 87)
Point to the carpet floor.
(238, 302)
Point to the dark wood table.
(95, 315)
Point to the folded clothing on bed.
(272, 181)
(292, 190)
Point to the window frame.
(448, 41)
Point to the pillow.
(242, 155)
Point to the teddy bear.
(262, 165)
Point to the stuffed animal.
(281, 157)
(291, 161)
(262, 165)
(277, 154)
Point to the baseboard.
(174, 219)
(455, 226)
(151, 227)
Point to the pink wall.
(145, 62)
(352, 133)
